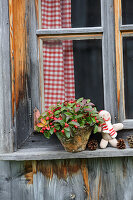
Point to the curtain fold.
(58, 63)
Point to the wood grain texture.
(119, 61)
(88, 179)
(41, 32)
(109, 72)
(24, 55)
(6, 129)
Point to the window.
(100, 37)
(92, 39)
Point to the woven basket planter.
(78, 142)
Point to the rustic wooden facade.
(37, 170)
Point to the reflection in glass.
(127, 12)
(128, 76)
(56, 14)
(88, 70)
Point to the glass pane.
(127, 12)
(88, 70)
(72, 69)
(128, 76)
(70, 13)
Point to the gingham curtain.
(58, 64)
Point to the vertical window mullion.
(109, 73)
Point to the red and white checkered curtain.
(58, 64)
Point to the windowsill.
(51, 154)
(39, 148)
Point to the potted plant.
(72, 122)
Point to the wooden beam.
(71, 37)
(126, 28)
(6, 129)
(119, 61)
(61, 31)
(56, 153)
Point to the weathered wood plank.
(57, 152)
(109, 73)
(6, 131)
(25, 68)
(128, 27)
(91, 30)
(87, 179)
(119, 61)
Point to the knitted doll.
(108, 130)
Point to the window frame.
(103, 32)
(121, 31)
(113, 31)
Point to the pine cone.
(92, 145)
(121, 144)
(130, 140)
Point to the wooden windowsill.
(51, 154)
(39, 148)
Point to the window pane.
(86, 13)
(88, 70)
(128, 76)
(127, 12)
(70, 13)
(73, 69)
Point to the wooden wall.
(89, 179)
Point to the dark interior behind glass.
(128, 75)
(88, 70)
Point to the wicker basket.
(78, 142)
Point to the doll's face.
(105, 115)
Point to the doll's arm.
(118, 126)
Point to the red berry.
(66, 125)
(55, 118)
(44, 128)
(50, 123)
(59, 118)
(55, 130)
(76, 126)
(41, 131)
(47, 118)
(62, 131)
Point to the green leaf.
(47, 134)
(62, 109)
(58, 134)
(88, 100)
(51, 131)
(57, 112)
(67, 133)
(79, 116)
(74, 123)
(61, 122)
(57, 127)
(67, 129)
(68, 113)
(67, 118)
(93, 119)
(79, 100)
(95, 129)
(38, 129)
